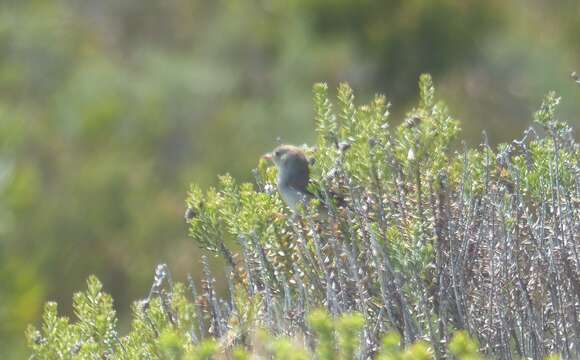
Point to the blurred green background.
(110, 108)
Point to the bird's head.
(292, 164)
(284, 155)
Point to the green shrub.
(434, 244)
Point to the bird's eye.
(277, 153)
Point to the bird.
(293, 179)
(293, 175)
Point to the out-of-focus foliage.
(108, 109)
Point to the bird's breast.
(293, 197)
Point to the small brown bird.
(294, 178)
(293, 175)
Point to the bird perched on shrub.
(294, 177)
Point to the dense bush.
(169, 325)
(434, 244)
(110, 108)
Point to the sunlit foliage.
(437, 252)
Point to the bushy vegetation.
(439, 252)
(110, 108)
(172, 326)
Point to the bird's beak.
(267, 156)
